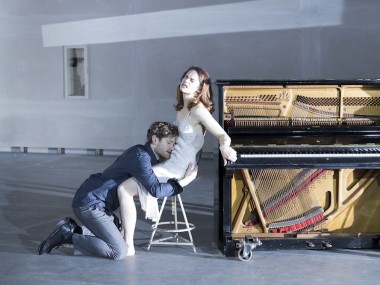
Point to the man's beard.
(162, 158)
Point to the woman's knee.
(128, 187)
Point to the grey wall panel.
(133, 83)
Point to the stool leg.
(186, 222)
(175, 232)
(156, 224)
(174, 213)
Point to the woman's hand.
(228, 153)
(191, 173)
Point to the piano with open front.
(308, 167)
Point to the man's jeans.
(103, 239)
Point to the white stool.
(173, 230)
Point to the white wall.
(133, 82)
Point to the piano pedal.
(310, 244)
(326, 244)
(246, 246)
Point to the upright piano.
(308, 167)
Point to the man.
(97, 198)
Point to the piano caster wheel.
(326, 244)
(246, 247)
(244, 257)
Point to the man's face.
(164, 147)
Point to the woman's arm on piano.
(202, 115)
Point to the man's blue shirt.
(137, 161)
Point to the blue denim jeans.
(103, 239)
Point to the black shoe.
(75, 229)
(61, 234)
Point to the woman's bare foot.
(131, 251)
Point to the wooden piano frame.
(235, 177)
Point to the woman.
(194, 107)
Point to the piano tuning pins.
(251, 121)
(359, 121)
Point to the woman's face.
(190, 83)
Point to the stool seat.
(172, 227)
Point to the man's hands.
(190, 174)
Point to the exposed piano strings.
(295, 200)
(288, 207)
(309, 110)
(291, 203)
(306, 107)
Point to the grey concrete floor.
(36, 191)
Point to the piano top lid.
(236, 82)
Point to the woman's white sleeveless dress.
(188, 144)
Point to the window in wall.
(76, 72)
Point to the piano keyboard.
(294, 156)
(306, 155)
(308, 151)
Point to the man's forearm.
(171, 188)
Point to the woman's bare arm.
(203, 116)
